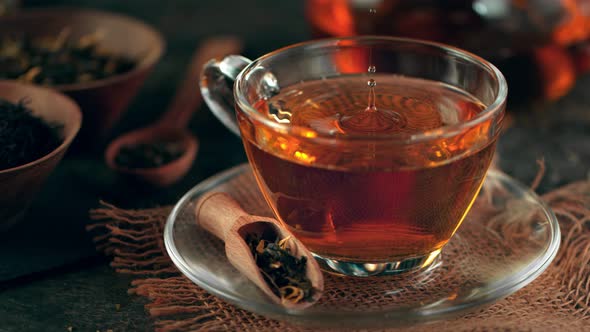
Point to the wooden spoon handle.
(188, 97)
(217, 212)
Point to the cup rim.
(489, 112)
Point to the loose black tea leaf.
(56, 60)
(149, 155)
(283, 272)
(23, 137)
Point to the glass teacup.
(370, 150)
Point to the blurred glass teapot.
(540, 45)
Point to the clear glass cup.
(397, 199)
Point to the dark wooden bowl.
(164, 175)
(19, 185)
(102, 101)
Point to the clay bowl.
(159, 176)
(19, 185)
(102, 101)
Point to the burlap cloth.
(559, 300)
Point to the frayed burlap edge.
(134, 239)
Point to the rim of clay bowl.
(144, 62)
(72, 110)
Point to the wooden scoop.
(172, 125)
(223, 217)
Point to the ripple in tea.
(368, 197)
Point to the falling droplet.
(371, 120)
(372, 11)
(371, 103)
(372, 69)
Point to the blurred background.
(540, 45)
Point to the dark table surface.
(50, 276)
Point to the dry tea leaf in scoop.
(262, 250)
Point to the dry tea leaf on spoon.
(262, 250)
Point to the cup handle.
(216, 91)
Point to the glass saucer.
(508, 239)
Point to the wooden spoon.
(172, 125)
(223, 217)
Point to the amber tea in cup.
(370, 150)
